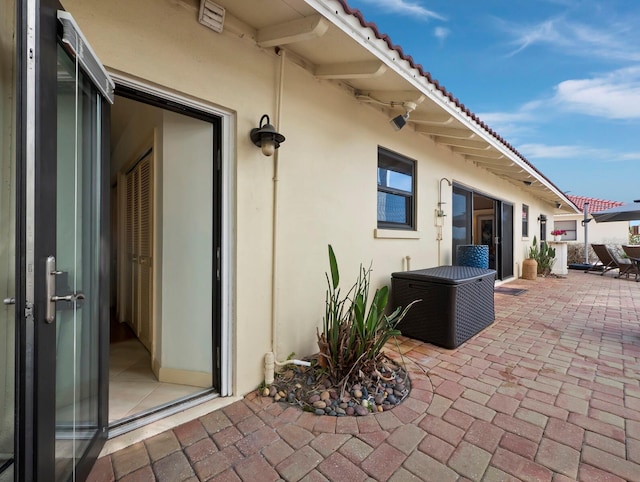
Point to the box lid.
(445, 274)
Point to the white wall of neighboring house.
(597, 233)
(327, 171)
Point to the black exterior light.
(399, 121)
(266, 137)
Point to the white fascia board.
(349, 24)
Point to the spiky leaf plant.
(354, 330)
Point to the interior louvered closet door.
(140, 248)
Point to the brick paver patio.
(549, 392)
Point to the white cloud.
(611, 95)
(510, 125)
(543, 151)
(441, 33)
(501, 118)
(542, 33)
(578, 152)
(610, 40)
(405, 7)
(615, 95)
(628, 156)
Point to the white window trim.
(396, 234)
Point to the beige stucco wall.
(187, 241)
(327, 176)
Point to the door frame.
(505, 246)
(223, 222)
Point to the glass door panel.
(77, 256)
(506, 240)
(7, 238)
(462, 210)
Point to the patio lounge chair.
(634, 255)
(608, 260)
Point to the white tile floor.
(133, 387)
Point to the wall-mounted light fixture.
(399, 121)
(266, 137)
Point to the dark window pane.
(392, 208)
(461, 219)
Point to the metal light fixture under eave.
(266, 137)
(399, 121)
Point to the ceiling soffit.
(334, 46)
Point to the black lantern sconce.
(266, 137)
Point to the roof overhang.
(335, 44)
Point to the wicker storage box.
(457, 303)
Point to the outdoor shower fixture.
(266, 137)
(399, 121)
(440, 213)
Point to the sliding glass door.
(481, 219)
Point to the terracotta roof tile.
(595, 205)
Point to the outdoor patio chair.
(634, 256)
(608, 260)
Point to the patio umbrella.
(626, 212)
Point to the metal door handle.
(9, 301)
(50, 267)
(71, 297)
(52, 298)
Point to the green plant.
(354, 330)
(544, 255)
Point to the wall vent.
(211, 15)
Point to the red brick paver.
(549, 392)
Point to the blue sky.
(557, 79)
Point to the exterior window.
(396, 191)
(525, 221)
(569, 227)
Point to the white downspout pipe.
(270, 359)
